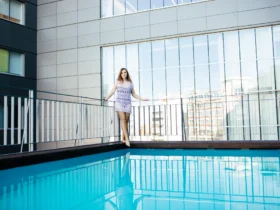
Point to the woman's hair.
(127, 77)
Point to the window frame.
(9, 63)
(23, 11)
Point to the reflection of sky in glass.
(131, 6)
(159, 88)
(158, 54)
(119, 7)
(156, 4)
(132, 57)
(172, 53)
(173, 82)
(143, 5)
(276, 36)
(170, 2)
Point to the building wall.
(71, 33)
(21, 38)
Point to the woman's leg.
(126, 124)
(123, 124)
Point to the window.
(11, 62)
(12, 10)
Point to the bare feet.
(127, 143)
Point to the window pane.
(156, 4)
(119, 58)
(135, 79)
(4, 61)
(184, 1)
(216, 53)
(170, 2)
(1, 117)
(187, 81)
(217, 79)
(247, 45)
(172, 58)
(231, 46)
(119, 7)
(266, 75)
(202, 79)
(132, 57)
(17, 12)
(146, 84)
(276, 39)
(277, 71)
(173, 82)
(131, 6)
(107, 8)
(16, 63)
(145, 56)
(143, 5)
(268, 116)
(249, 76)
(4, 9)
(159, 83)
(264, 43)
(108, 70)
(186, 51)
(158, 54)
(200, 50)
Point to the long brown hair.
(127, 76)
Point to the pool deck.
(29, 158)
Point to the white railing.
(31, 123)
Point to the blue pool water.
(133, 179)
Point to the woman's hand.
(105, 99)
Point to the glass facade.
(13, 11)
(120, 7)
(11, 62)
(227, 82)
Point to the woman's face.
(124, 74)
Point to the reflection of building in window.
(11, 62)
(12, 10)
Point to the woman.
(125, 89)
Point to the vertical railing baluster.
(25, 119)
(43, 121)
(66, 121)
(53, 125)
(19, 120)
(57, 121)
(62, 124)
(5, 120)
(31, 134)
(37, 121)
(12, 120)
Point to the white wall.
(70, 34)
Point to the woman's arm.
(137, 96)
(111, 93)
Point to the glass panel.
(4, 61)
(268, 116)
(264, 43)
(156, 4)
(108, 70)
(173, 83)
(145, 56)
(232, 66)
(132, 57)
(107, 8)
(158, 54)
(217, 79)
(16, 63)
(266, 75)
(277, 71)
(135, 79)
(1, 117)
(247, 45)
(251, 117)
(202, 80)
(146, 85)
(131, 6)
(186, 51)
(276, 40)
(200, 50)
(119, 58)
(218, 110)
(16, 12)
(119, 7)
(184, 1)
(216, 51)
(170, 2)
(144, 5)
(159, 88)
(249, 77)
(187, 81)
(172, 57)
(4, 9)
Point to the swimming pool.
(148, 179)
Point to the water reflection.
(148, 179)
